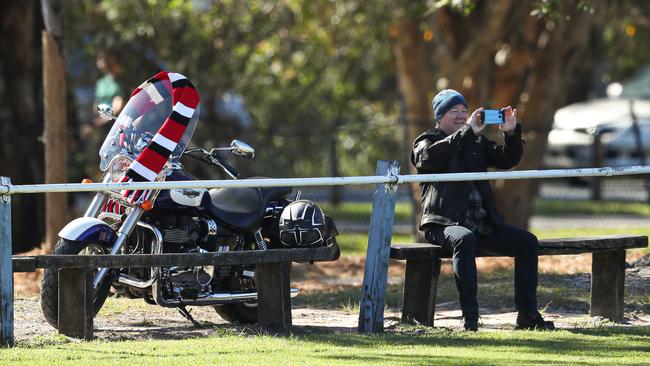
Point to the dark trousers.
(508, 241)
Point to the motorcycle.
(146, 143)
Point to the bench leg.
(608, 284)
(273, 295)
(76, 296)
(420, 287)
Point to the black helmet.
(302, 224)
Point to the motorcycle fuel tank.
(178, 198)
(191, 197)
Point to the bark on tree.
(54, 131)
(54, 136)
(546, 89)
(411, 55)
(21, 154)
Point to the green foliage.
(622, 36)
(317, 77)
(312, 74)
(577, 207)
(357, 244)
(360, 211)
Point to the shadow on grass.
(609, 331)
(561, 341)
(345, 297)
(556, 292)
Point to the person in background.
(107, 89)
(93, 132)
(462, 216)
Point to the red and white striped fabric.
(152, 159)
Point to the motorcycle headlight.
(117, 167)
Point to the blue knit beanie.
(446, 100)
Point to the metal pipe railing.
(327, 181)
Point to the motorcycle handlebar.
(226, 167)
(213, 158)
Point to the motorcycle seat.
(244, 208)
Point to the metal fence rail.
(375, 275)
(389, 178)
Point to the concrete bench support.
(76, 295)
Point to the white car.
(570, 142)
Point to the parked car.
(570, 142)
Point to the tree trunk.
(54, 136)
(547, 89)
(410, 54)
(54, 131)
(21, 154)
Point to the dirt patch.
(155, 322)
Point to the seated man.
(462, 216)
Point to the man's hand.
(474, 121)
(511, 119)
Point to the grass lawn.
(410, 346)
(566, 208)
(360, 211)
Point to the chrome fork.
(123, 233)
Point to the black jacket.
(445, 203)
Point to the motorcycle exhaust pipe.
(134, 282)
(214, 299)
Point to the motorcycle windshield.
(139, 121)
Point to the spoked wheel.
(50, 282)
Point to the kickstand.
(186, 314)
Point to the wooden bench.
(607, 272)
(272, 277)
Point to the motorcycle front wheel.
(50, 282)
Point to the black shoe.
(470, 323)
(533, 321)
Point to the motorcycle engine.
(184, 233)
(194, 234)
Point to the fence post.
(6, 272)
(375, 277)
(597, 158)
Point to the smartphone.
(493, 117)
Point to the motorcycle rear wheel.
(50, 282)
(239, 312)
(245, 313)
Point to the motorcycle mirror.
(243, 149)
(105, 111)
